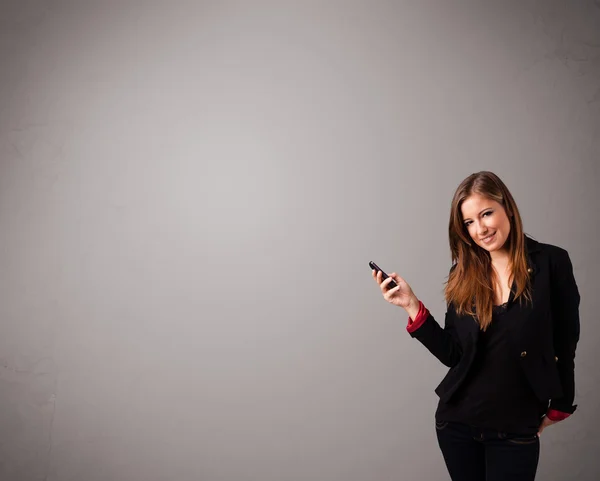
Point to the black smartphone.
(392, 284)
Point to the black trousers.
(473, 454)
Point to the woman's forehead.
(475, 203)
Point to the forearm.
(413, 308)
(440, 342)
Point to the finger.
(385, 284)
(392, 292)
(396, 277)
(378, 277)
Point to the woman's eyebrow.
(468, 218)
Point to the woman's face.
(486, 221)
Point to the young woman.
(509, 337)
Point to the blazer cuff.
(555, 415)
(562, 407)
(420, 318)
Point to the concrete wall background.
(189, 196)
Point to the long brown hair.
(470, 285)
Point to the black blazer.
(544, 338)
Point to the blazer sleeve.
(442, 343)
(566, 328)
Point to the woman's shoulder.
(536, 245)
(556, 253)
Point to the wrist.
(413, 307)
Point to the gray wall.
(189, 196)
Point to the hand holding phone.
(375, 267)
(403, 296)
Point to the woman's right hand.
(401, 295)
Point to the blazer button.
(555, 359)
(524, 353)
(530, 270)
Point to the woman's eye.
(488, 212)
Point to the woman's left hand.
(545, 423)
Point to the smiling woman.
(510, 335)
(484, 213)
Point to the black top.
(543, 334)
(495, 393)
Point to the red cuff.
(555, 415)
(419, 318)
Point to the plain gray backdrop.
(190, 193)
